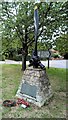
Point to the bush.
(66, 56)
(2, 57)
(17, 57)
(55, 55)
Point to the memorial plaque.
(28, 89)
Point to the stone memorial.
(35, 86)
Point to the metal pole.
(48, 63)
(49, 57)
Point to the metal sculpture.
(35, 60)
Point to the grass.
(11, 78)
(58, 78)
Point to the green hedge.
(19, 57)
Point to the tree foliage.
(17, 19)
(62, 44)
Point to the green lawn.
(11, 78)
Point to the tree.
(62, 44)
(9, 39)
(25, 31)
(19, 25)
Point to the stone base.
(35, 86)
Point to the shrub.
(17, 57)
(55, 55)
(2, 57)
(66, 56)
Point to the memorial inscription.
(28, 89)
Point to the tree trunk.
(23, 62)
(25, 51)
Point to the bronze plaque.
(28, 89)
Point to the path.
(52, 63)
